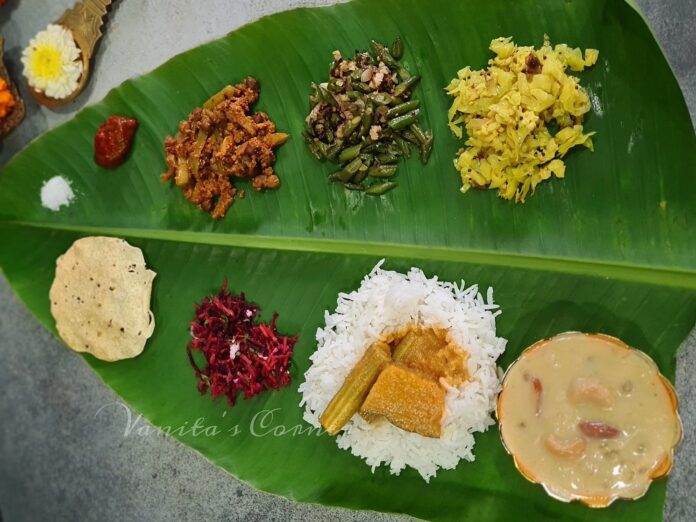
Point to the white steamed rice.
(386, 302)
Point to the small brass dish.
(16, 115)
(531, 471)
(84, 20)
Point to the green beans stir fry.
(365, 119)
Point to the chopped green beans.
(353, 166)
(382, 171)
(406, 85)
(387, 158)
(382, 98)
(410, 137)
(381, 113)
(336, 85)
(402, 108)
(418, 133)
(403, 147)
(426, 147)
(397, 48)
(366, 121)
(383, 54)
(349, 153)
(341, 175)
(403, 73)
(359, 176)
(376, 48)
(351, 127)
(315, 149)
(366, 157)
(333, 150)
(401, 122)
(396, 100)
(380, 188)
(364, 118)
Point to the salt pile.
(56, 193)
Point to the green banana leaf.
(608, 249)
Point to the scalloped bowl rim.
(660, 471)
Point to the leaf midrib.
(631, 272)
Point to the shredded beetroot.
(241, 354)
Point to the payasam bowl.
(661, 470)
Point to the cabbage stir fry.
(507, 110)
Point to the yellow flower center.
(46, 62)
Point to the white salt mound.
(386, 302)
(56, 193)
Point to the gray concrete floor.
(59, 459)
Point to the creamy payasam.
(589, 418)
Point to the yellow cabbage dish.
(505, 110)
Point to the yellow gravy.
(587, 417)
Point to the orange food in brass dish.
(11, 103)
(588, 418)
(7, 101)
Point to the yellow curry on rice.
(402, 379)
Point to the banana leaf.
(608, 249)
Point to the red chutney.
(113, 140)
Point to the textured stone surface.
(63, 454)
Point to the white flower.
(52, 62)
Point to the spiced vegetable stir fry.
(221, 143)
(365, 118)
